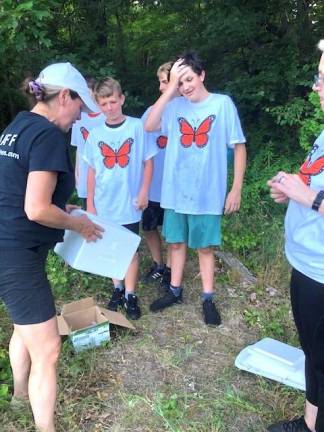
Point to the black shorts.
(134, 227)
(24, 287)
(152, 216)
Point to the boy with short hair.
(153, 214)
(120, 172)
(200, 126)
(79, 135)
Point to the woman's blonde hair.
(320, 45)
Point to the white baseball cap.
(67, 76)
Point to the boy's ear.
(122, 99)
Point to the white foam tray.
(109, 256)
(275, 360)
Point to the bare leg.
(132, 274)
(43, 344)
(153, 240)
(207, 268)
(310, 415)
(178, 260)
(20, 365)
(117, 282)
(168, 260)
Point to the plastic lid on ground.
(275, 360)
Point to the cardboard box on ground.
(88, 325)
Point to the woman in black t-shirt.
(36, 180)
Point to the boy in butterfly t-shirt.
(153, 214)
(200, 127)
(120, 172)
(80, 133)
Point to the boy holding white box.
(119, 177)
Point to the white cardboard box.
(109, 256)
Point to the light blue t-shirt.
(79, 135)
(160, 141)
(304, 227)
(117, 155)
(195, 167)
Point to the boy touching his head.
(200, 127)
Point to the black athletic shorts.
(152, 216)
(24, 287)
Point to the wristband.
(318, 200)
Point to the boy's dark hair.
(192, 59)
(91, 81)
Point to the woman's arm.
(39, 207)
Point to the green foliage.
(247, 233)
(313, 125)
(272, 322)
(5, 378)
(22, 22)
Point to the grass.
(173, 374)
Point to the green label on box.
(90, 337)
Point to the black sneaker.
(165, 279)
(168, 299)
(154, 275)
(296, 425)
(133, 311)
(211, 314)
(116, 300)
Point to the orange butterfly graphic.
(116, 157)
(162, 141)
(195, 135)
(85, 133)
(309, 169)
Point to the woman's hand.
(70, 207)
(284, 186)
(87, 229)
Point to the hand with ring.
(276, 194)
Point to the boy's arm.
(153, 121)
(91, 184)
(142, 198)
(77, 163)
(233, 199)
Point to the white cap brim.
(67, 76)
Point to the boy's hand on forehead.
(177, 71)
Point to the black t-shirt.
(31, 143)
